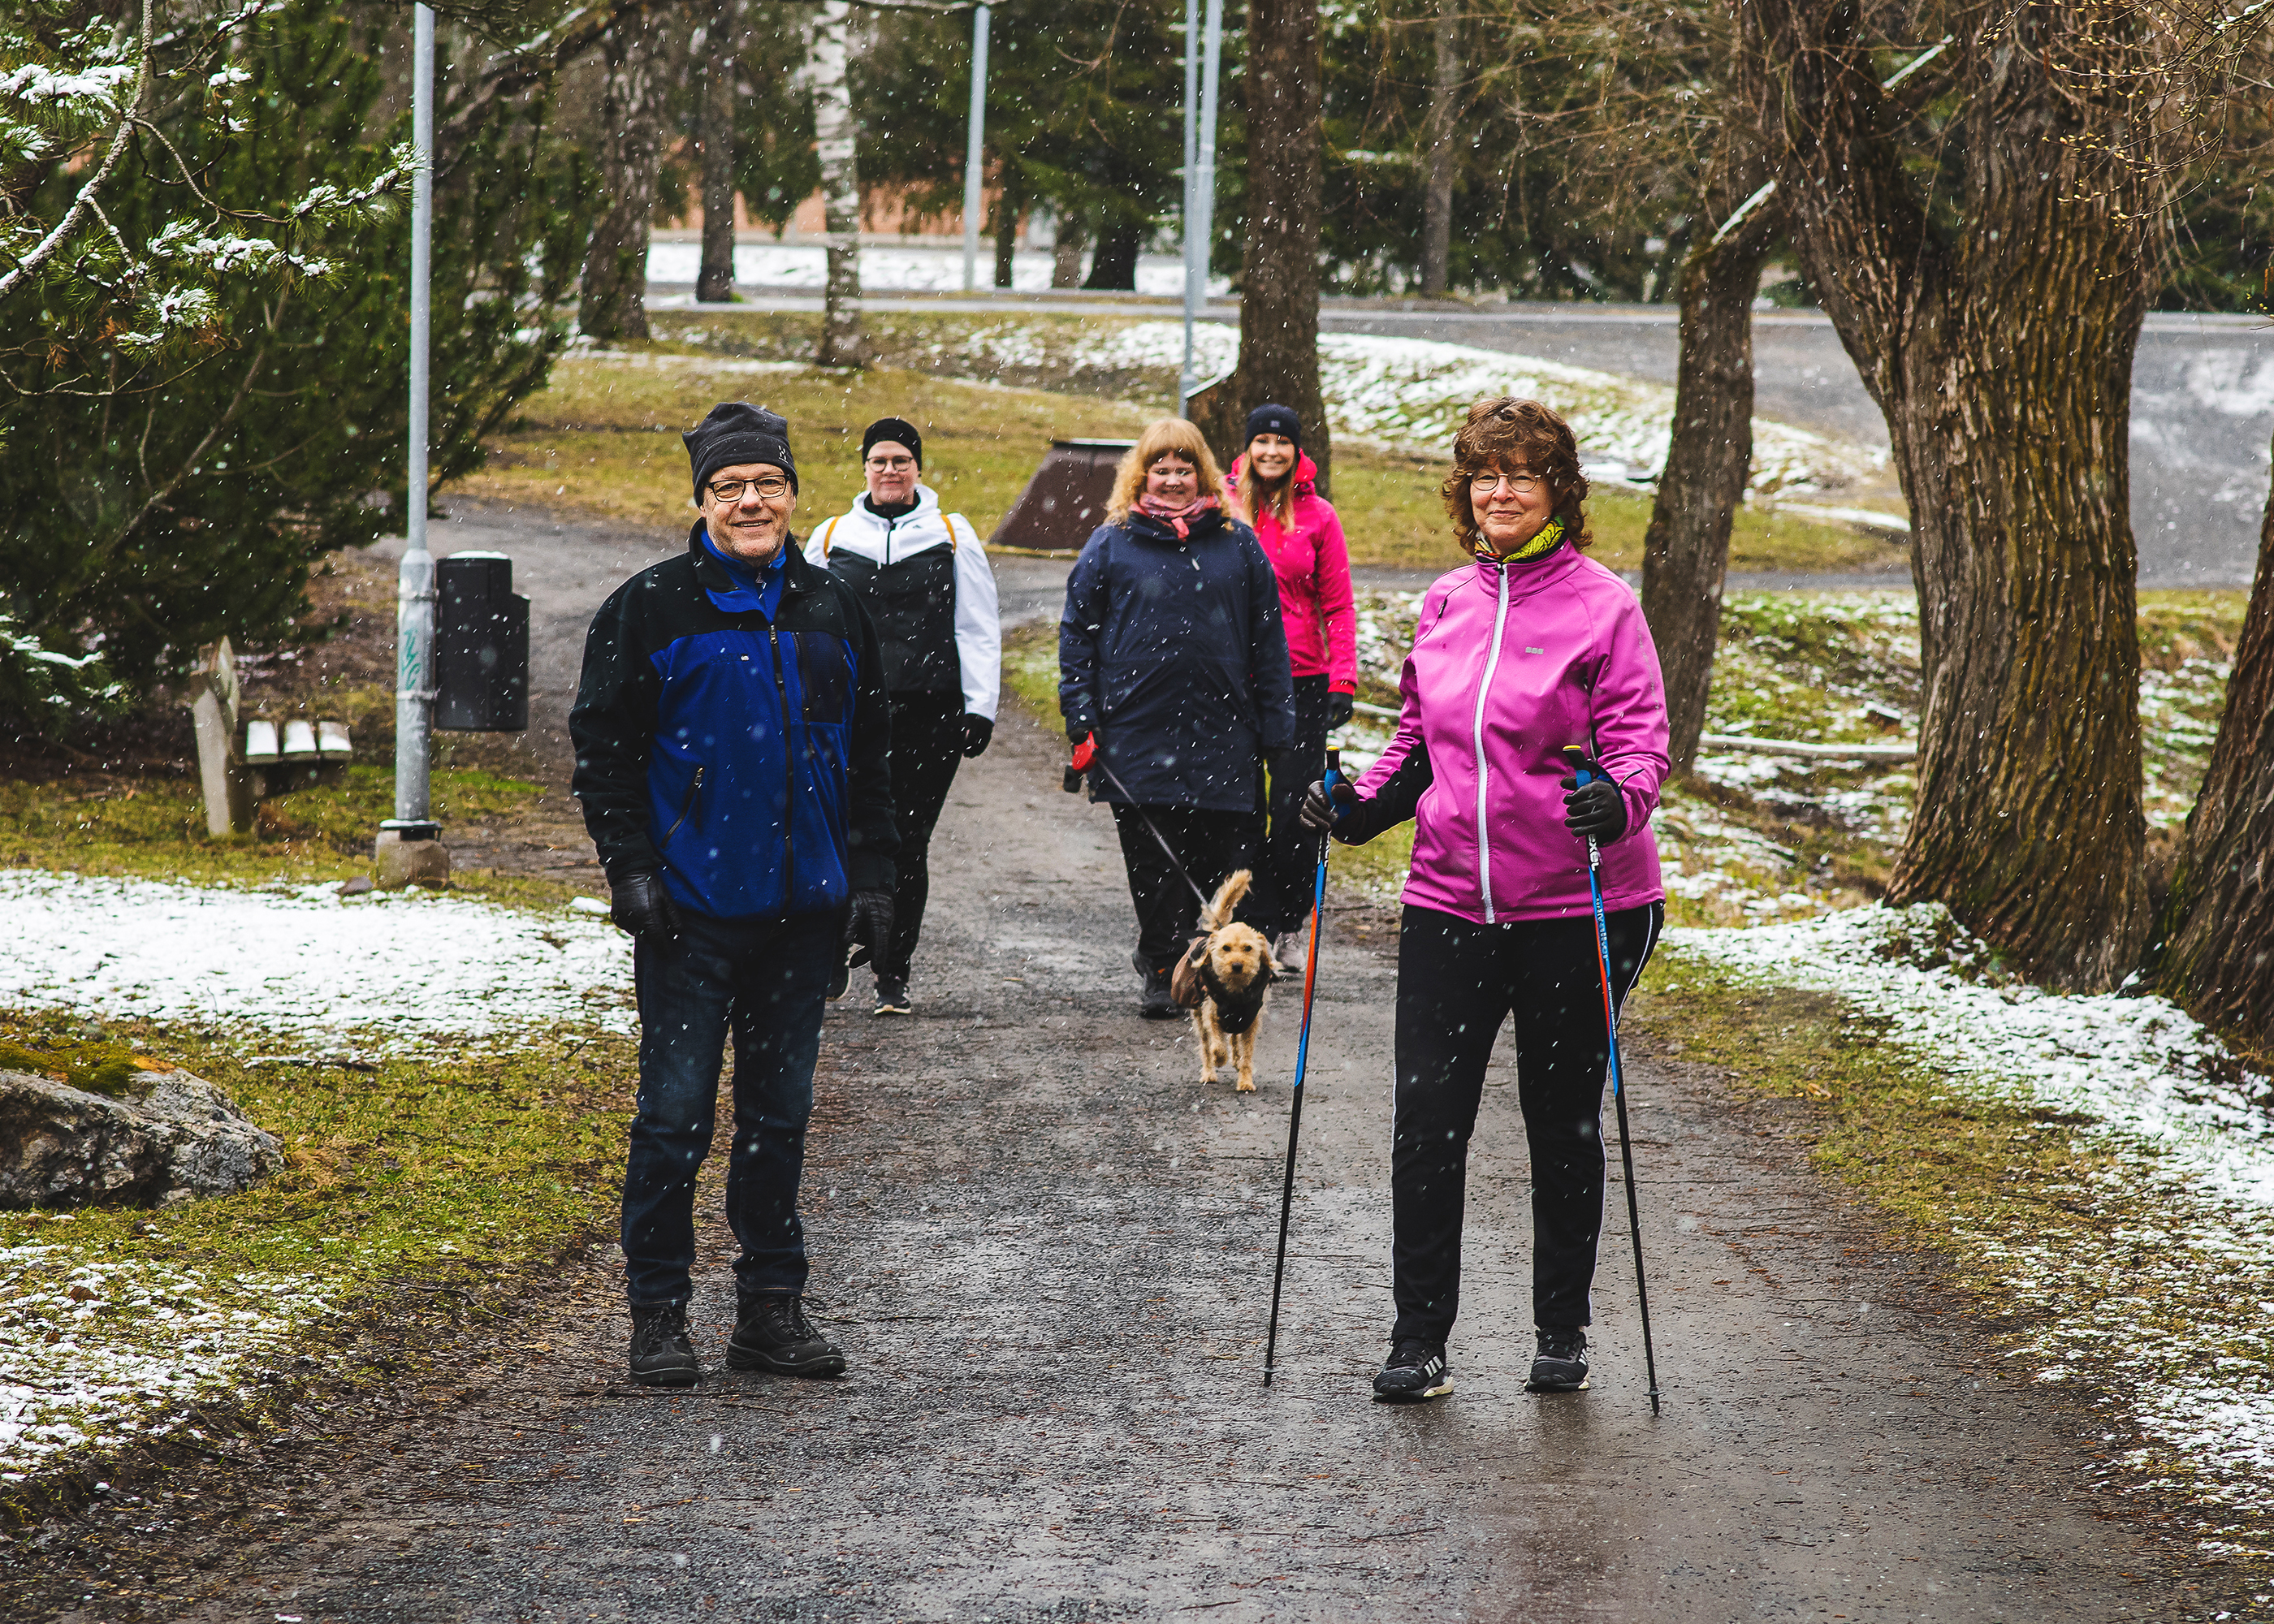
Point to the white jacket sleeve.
(978, 623)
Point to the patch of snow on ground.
(2149, 1313)
(104, 1353)
(1410, 391)
(889, 269)
(401, 964)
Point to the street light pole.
(1192, 180)
(1200, 174)
(409, 847)
(975, 150)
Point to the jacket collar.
(713, 578)
(1527, 577)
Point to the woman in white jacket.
(925, 578)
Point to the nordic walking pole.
(1575, 756)
(1302, 1055)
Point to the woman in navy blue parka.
(1172, 653)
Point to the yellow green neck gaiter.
(1544, 543)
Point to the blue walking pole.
(1302, 1055)
(1577, 757)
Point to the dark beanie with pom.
(1269, 419)
(736, 432)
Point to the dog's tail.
(1219, 912)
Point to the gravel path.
(1046, 1248)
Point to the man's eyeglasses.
(1522, 484)
(891, 465)
(768, 486)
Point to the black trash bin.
(481, 646)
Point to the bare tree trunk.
(1113, 267)
(836, 144)
(1006, 231)
(2217, 956)
(1686, 549)
(611, 300)
(714, 284)
(1066, 259)
(1438, 131)
(1279, 260)
(2001, 356)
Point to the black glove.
(868, 926)
(1318, 814)
(977, 731)
(1596, 809)
(638, 903)
(1074, 736)
(1340, 706)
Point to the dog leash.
(1085, 757)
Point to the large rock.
(169, 1136)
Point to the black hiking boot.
(1155, 1003)
(1561, 1364)
(1416, 1373)
(771, 1334)
(662, 1357)
(892, 995)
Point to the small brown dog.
(1231, 969)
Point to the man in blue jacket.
(733, 744)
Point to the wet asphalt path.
(1046, 1248)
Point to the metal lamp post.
(975, 150)
(1203, 56)
(410, 848)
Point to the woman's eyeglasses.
(1522, 484)
(768, 486)
(891, 465)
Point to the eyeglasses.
(1522, 484)
(768, 486)
(891, 465)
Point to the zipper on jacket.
(789, 779)
(1477, 733)
(688, 805)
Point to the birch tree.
(837, 146)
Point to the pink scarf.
(1176, 518)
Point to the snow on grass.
(1403, 392)
(2159, 1310)
(104, 1353)
(892, 268)
(392, 966)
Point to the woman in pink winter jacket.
(1530, 647)
(1275, 488)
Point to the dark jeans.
(927, 749)
(1210, 845)
(1456, 982)
(1290, 859)
(765, 982)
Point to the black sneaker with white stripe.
(1416, 1373)
(1562, 1365)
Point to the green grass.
(602, 439)
(154, 827)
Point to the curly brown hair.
(1509, 435)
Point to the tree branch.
(30, 263)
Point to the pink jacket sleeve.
(1629, 706)
(1409, 708)
(1333, 576)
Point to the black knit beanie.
(736, 433)
(900, 431)
(1269, 419)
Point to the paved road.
(1046, 1248)
(2203, 398)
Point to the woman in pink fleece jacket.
(1275, 488)
(1530, 647)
